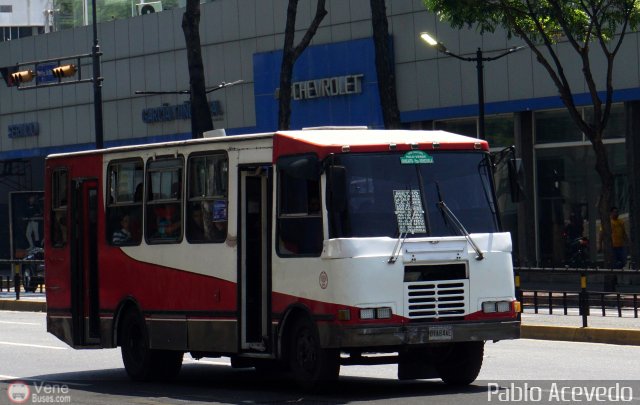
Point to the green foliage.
(70, 13)
(540, 20)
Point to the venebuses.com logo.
(20, 392)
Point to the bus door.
(255, 272)
(84, 262)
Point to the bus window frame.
(281, 247)
(149, 203)
(190, 200)
(57, 208)
(120, 205)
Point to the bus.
(299, 251)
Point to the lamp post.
(97, 81)
(479, 59)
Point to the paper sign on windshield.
(409, 211)
(416, 157)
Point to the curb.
(579, 334)
(29, 306)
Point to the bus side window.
(164, 201)
(124, 202)
(208, 198)
(59, 216)
(299, 231)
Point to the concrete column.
(525, 252)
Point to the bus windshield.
(390, 194)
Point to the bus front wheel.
(141, 362)
(311, 364)
(461, 364)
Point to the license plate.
(443, 332)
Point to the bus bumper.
(418, 334)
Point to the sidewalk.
(610, 329)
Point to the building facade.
(335, 83)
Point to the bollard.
(16, 285)
(519, 295)
(584, 299)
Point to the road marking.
(19, 323)
(29, 345)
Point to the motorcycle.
(32, 273)
(577, 252)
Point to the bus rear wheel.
(311, 365)
(461, 364)
(141, 362)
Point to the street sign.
(416, 157)
(44, 73)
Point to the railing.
(16, 283)
(605, 291)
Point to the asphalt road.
(50, 370)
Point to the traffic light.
(64, 71)
(23, 76)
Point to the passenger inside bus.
(201, 229)
(167, 220)
(122, 236)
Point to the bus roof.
(326, 141)
(323, 141)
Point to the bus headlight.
(376, 313)
(383, 313)
(489, 307)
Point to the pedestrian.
(619, 239)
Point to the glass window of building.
(568, 189)
(463, 126)
(499, 130)
(615, 126)
(556, 126)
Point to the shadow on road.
(223, 384)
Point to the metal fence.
(564, 291)
(8, 283)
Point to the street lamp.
(97, 81)
(479, 59)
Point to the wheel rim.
(306, 351)
(135, 344)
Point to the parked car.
(33, 273)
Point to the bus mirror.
(338, 188)
(516, 179)
(305, 167)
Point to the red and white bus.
(305, 249)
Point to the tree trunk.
(200, 111)
(290, 54)
(384, 65)
(606, 196)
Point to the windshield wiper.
(456, 222)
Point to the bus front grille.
(436, 299)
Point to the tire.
(141, 362)
(462, 364)
(311, 365)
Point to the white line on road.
(30, 345)
(19, 323)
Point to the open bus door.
(84, 262)
(255, 272)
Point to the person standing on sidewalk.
(619, 239)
